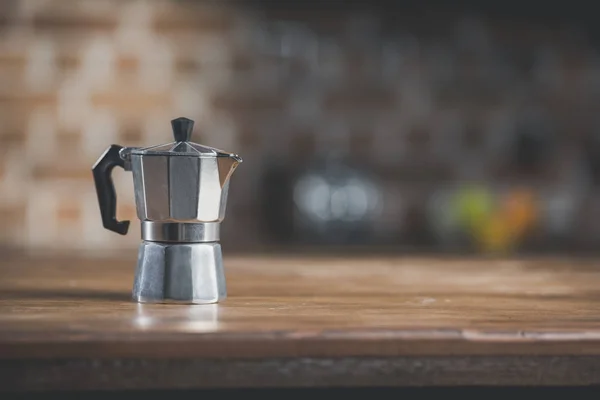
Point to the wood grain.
(388, 312)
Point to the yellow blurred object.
(496, 235)
(474, 206)
(496, 226)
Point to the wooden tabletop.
(68, 323)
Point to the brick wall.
(78, 75)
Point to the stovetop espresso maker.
(181, 195)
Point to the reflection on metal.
(179, 273)
(175, 232)
(181, 188)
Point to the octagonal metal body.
(181, 273)
(181, 188)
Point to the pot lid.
(182, 131)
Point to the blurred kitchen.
(371, 125)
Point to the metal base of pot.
(190, 273)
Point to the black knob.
(182, 129)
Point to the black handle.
(107, 197)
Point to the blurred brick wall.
(78, 75)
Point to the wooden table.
(304, 322)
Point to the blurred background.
(390, 126)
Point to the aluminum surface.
(181, 189)
(179, 273)
(180, 233)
